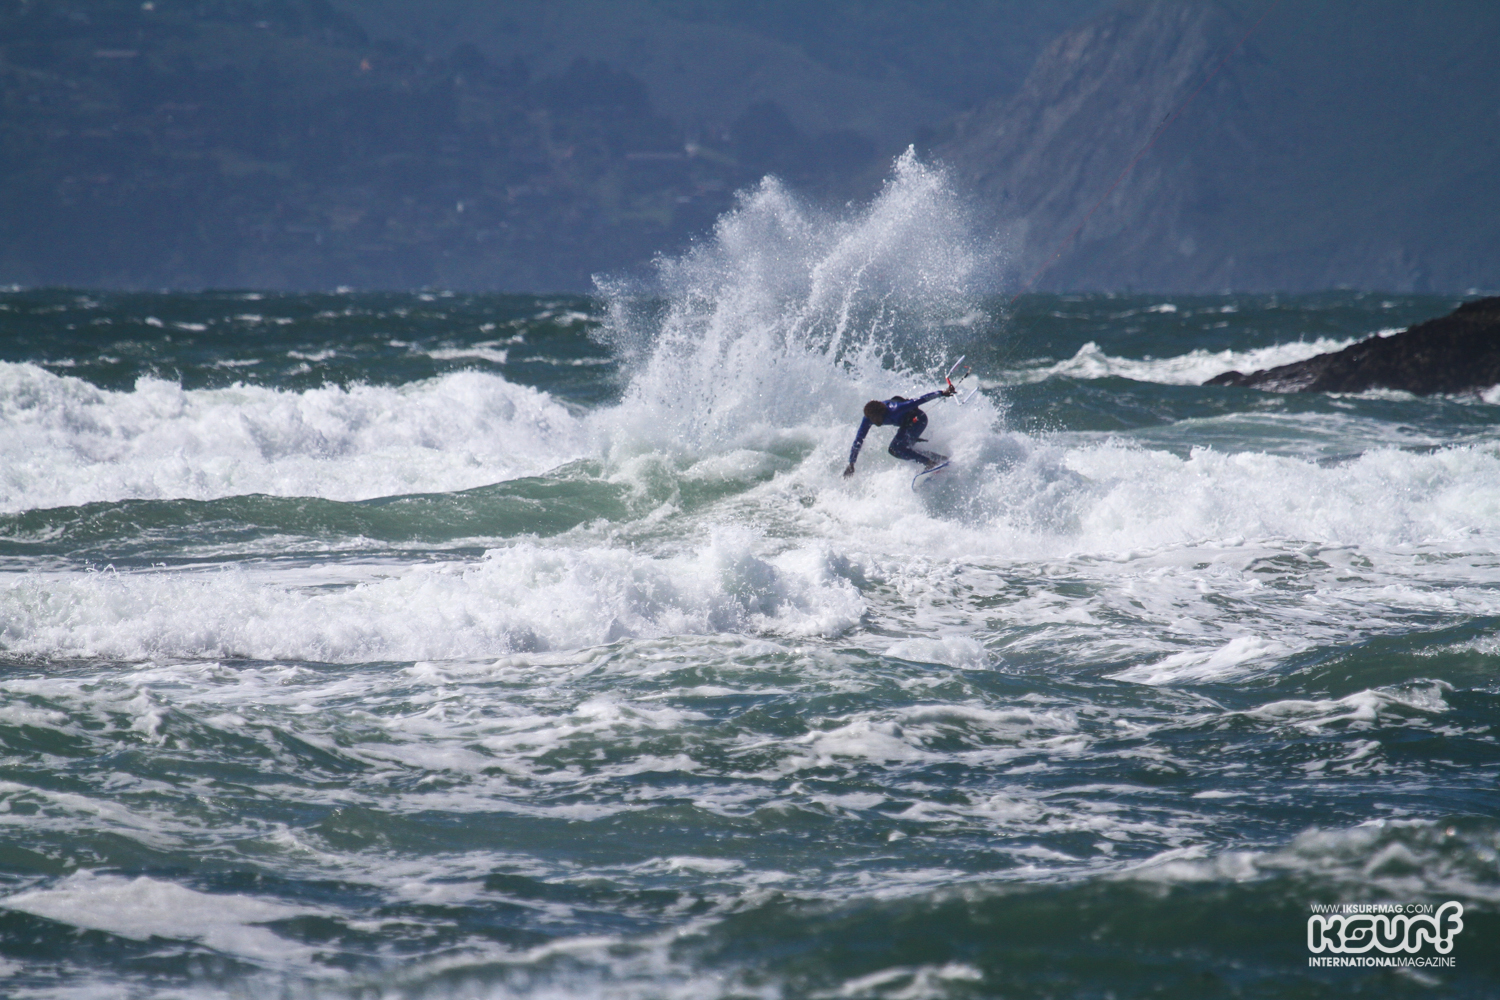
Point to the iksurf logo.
(1389, 928)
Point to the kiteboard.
(927, 472)
(948, 379)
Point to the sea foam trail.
(67, 442)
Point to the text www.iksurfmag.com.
(1346, 931)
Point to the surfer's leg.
(902, 449)
(908, 435)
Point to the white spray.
(788, 316)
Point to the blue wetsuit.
(910, 423)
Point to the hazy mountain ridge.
(887, 70)
(281, 144)
(528, 146)
(1041, 159)
(276, 145)
(702, 75)
(1308, 161)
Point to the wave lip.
(70, 443)
(526, 596)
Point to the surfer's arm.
(950, 390)
(859, 442)
(899, 410)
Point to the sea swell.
(537, 648)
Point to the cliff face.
(1042, 159)
(1344, 145)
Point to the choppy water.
(477, 646)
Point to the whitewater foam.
(143, 908)
(1402, 859)
(788, 318)
(1193, 368)
(524, 596)
(1150, 535)
(69, 442)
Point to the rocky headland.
(1457, 353)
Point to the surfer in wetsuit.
(910, 422)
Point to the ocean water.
(436, 645)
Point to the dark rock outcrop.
(1456, 353)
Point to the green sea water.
(440, 645)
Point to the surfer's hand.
(848, 470)
(950, 390)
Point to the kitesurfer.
(910, 422)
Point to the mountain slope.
(1349, 144)
(273, 144)
(514, 145)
